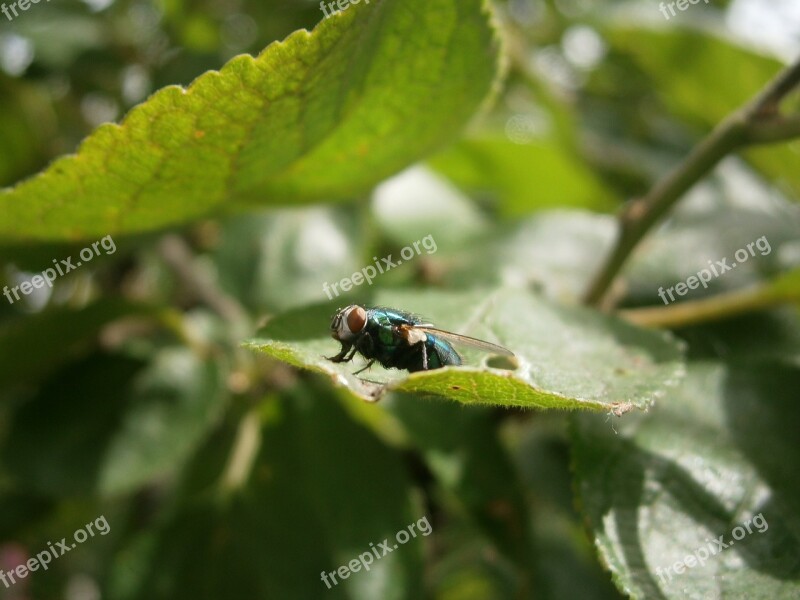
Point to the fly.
(398, 340)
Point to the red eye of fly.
(356, 319)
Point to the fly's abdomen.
(443, 353)
(439, 354)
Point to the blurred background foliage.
(222, 473)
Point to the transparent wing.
(464, 340)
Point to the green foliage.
(305, 121)
(302, 499)
(259, 152)
(684, 90)
(555, 348)
(491, 166)
(660, 489)
(172, 402)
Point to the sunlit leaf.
(661, 489)
(523, 178)
(320, 116)
(566, 357)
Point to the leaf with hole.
(566, 357)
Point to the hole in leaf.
(507, 363)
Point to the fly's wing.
(457, 338)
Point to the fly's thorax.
(348, 323)
(382, 327)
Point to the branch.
(243, 454)
(179, 258)
(759, 121)
(774, 129)
(768, 100)
(723, 306)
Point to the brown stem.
(757, 122)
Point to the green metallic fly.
(398, 339)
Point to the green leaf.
(719, 224)
(33, 346)
(523, 178)
(173, 403)
(276, 261)
(758, 335)
(556, 252)
(787, 286)
(699, 466)
(417, 203)
(567, 357)
(685, 90)
(113, 423)
(565, 564)
(321, 116)
(303, 509)
(62, 454)
(463, 449)
(19, 510)
(20, 150)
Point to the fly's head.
(348, 323)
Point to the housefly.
(398, 339)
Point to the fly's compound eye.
(356, 319)
(348, 322)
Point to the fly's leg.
(342, 356)
(424, 357)
(369, 364)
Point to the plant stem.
(179, 258)
(758, 122)
(723, 306)
(243, 454)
